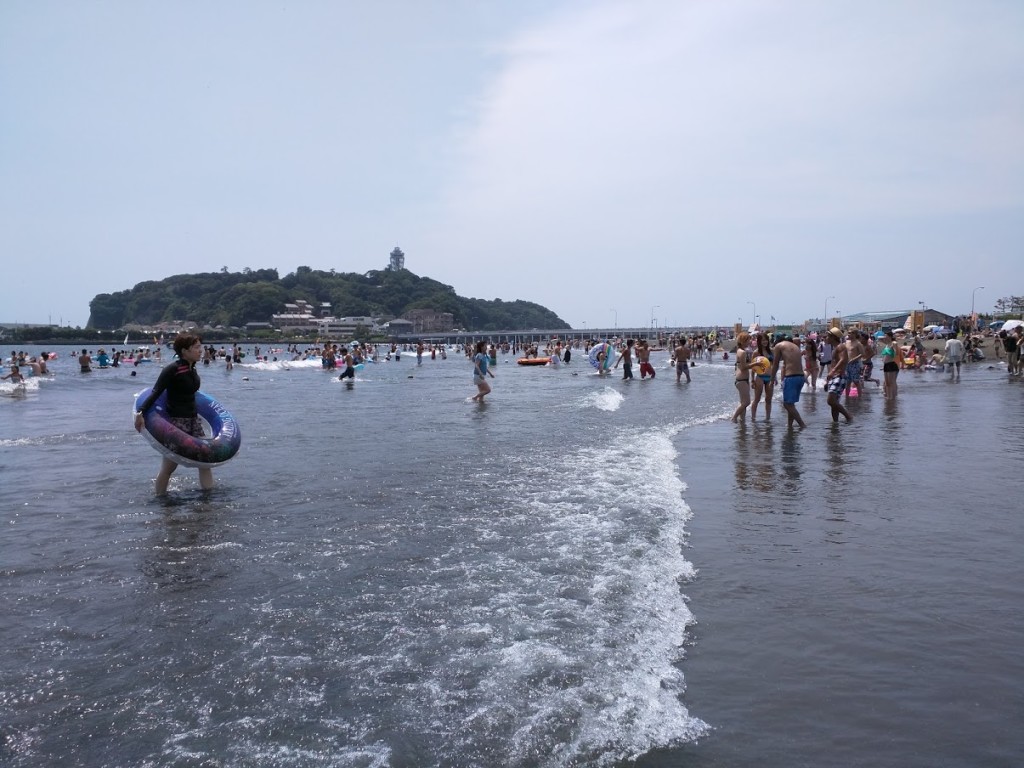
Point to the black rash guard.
(181, 381)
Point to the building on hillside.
(429, 320)
(397, 261)
(398, 327)
(296, 317)
(345, 327)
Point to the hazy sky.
(619, 161)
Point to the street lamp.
(979, 288)
(826, 309)
(616, 317)
(754, 305)
(656, 306)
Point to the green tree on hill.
(237, 298)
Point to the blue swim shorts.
(791, 387)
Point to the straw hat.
(836, 332)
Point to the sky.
(667, 162)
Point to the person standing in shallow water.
(181, 382)
(742, 376)
(788, 355)
(481, 361)
(811, 362)
(762, 382)
(835, 383)
(626, 358)
(890, 366)
(682, 357)
(643, 356)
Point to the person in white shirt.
(954, 355)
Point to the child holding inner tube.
(181, 382)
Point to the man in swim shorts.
(682, 355)
(350, 369)
(643, 354)
(626, 358)
(854, 368)
(788, 355)
(835, 383)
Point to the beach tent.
(908, 324)
(1009, 325)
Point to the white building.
(296, 317)
(345, 327)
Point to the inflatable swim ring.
(533, 360)
(183, 448)
(609, 356)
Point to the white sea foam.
(204, 547)
(607, 399)
(283, 365)
(26, 387)
(570, 647)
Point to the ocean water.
(579, 571)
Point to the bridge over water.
(541, 335)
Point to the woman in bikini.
(762, 378)
(811, 363)
(890, 366)
(742, 375)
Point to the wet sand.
(859, 585)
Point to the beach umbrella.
(879, 334)
(1009, 325)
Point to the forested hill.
(253, 295)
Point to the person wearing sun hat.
(835, 382)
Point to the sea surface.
(580, 571)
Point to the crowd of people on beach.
(845, 360)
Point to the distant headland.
(307, 300)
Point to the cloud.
(677, 139)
